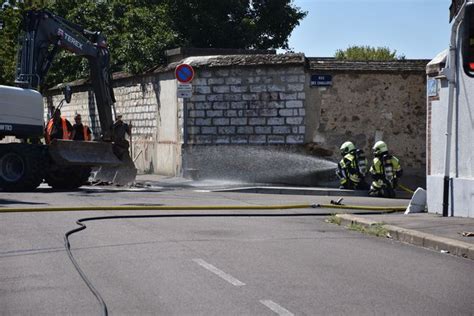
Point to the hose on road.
(82, 226)
(362, 210)
(404, 188)
(194, 208)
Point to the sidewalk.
(423, 229)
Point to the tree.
(11, 15)
(139, 31)
(367, 53)
(8, 35)
(261, 24)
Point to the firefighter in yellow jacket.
(385, 171)
(352, 168)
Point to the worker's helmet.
(379, 148)
(347, 147)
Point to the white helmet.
(347, 147)
(379, 148)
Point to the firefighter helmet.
(379, 148)
(347, 147)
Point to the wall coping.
(332, 64)
(176, 54)
(297, 59)
(213, 61)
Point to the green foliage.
(334, 219)
(8, 36)
(363, 53)
(11, 15)
(376, 229)
(261, 24)
(139, 31)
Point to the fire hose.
(81, 222)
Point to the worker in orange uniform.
(80, 131)
(58, 128)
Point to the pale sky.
(415, 28)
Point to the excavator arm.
(43, 35)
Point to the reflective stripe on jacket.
(349, 168)
(378, 172)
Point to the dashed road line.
(219, 272)
(276, 308)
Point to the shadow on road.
(8, 202)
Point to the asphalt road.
(217, 266)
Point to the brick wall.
(247, 105)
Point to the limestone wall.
(140, 100)
(366, 106)
(247, 105)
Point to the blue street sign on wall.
(321, 80)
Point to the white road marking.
(276, 308)
(219, 272)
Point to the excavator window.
(468, 40)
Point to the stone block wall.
(137, 100)
(365, 108)
(247, 105)
(366, 103)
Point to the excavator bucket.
(122, 174)
(107, 167)
(76, 153)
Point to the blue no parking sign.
(184, 73)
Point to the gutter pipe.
(450, 72)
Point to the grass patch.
(375, 230)
(333, 219)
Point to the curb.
(417, 238)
